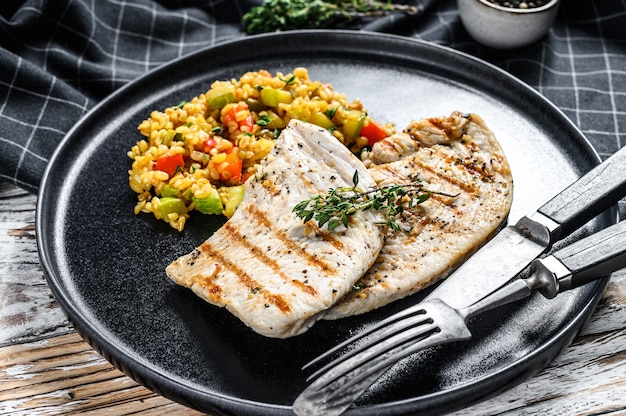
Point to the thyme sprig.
(334, 207)
(276, 15)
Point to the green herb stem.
(334, 208)
(277, 15)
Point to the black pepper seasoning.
(519, 4)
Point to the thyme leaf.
(263, 120)
(277, 15)
(334, 208)
(289, 81)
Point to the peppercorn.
(519, 4)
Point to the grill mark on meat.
(296, 248)
(460, 160)
(326, 237)
(275, 273)
(246, 280)
(268, 261)
(214, 290)
(469, 165)
(310, 258)
(420, 169)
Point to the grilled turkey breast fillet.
(456, 155)
(275, 273)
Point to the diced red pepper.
(230, 169)
(373, 132)
(230, 115)
(209, 144)
(245, 125)
(169, 164)
(225, 146)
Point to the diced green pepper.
(271, 97)
(167, 137)
(354, 123)
(274, 121)
(211, 204)
(169, 191)
(170, 205)
(218, 97)
(235, 196)
(255, 105)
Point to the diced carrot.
(245, 176)
(230, 169)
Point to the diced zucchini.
(166, 139)
(211, 204)
(187, 194)
(255, 105)
(169, 205)
(275, 122)
(284, 97)
(235, 196)
(218, 97)
(353, 124)
(271, 97)
(322, 120)
(169, 191)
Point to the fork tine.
(342, 381)
(385, 361)
(416, 309)
(337, 389)
(386, 338)
(360, 356)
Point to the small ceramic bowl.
(506, 27)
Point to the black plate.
(106, 266)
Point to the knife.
(507, 254)
(432, 323)
(516, 246)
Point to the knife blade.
(510, 251)
(507, 254)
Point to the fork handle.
(583, 261)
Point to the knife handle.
(590, 195)
(588, 259)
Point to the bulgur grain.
(224, 133)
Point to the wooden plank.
(588, 378)
(27, 308)
(63, 375)
(47, 369)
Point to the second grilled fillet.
(457, 156)
(275, 273)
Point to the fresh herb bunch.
(339, 203)
(277, 15)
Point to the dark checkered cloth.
(59, 58)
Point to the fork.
(374, 350)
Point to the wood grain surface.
(47, 369)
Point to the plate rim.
(187, 394)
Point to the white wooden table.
(47, 369)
